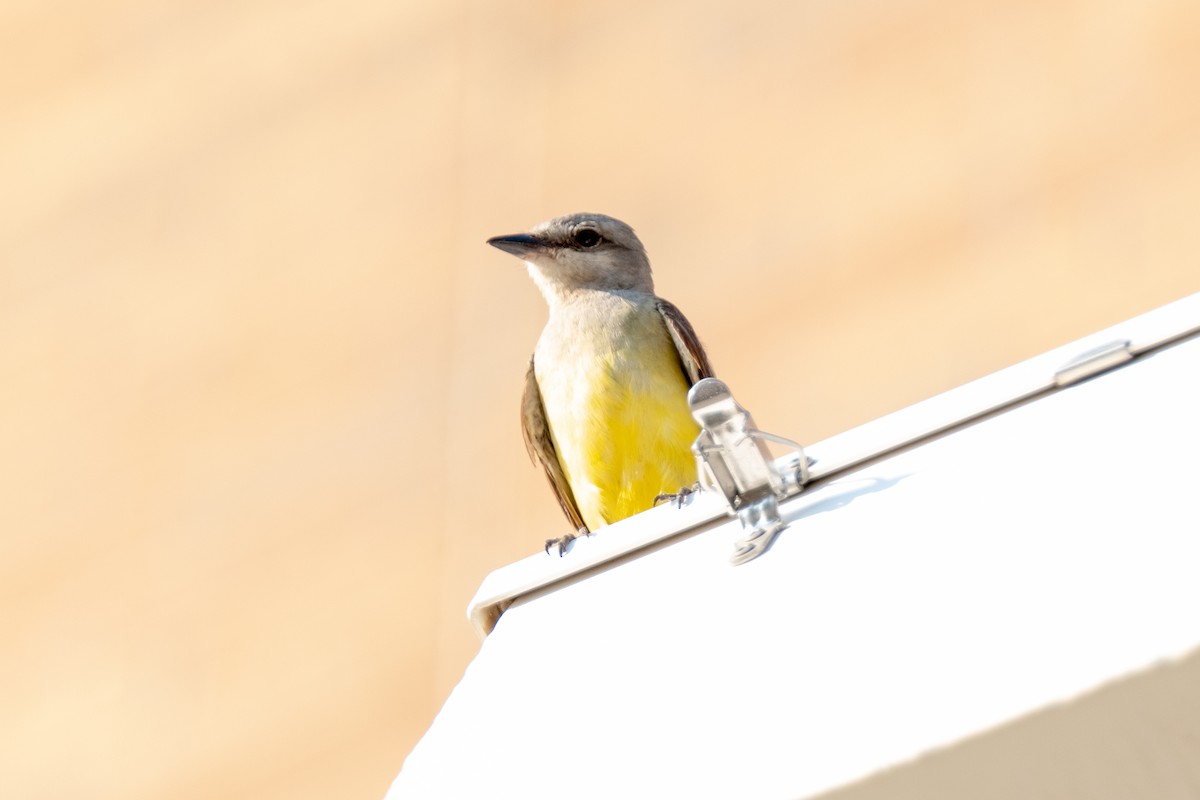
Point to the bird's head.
(581, 251)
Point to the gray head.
(581, 251)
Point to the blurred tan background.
(260, 372)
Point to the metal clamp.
(732, 458)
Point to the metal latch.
(732, 458)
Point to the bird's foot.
(563, 543)
(679, 498)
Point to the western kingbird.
(605, 408)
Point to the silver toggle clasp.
(732, 458)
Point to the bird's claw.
(563, 543)
(680, 497)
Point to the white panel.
(1017, 563)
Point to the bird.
(604, 410)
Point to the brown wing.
(691, 354)
(541, 448)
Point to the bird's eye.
(586, 237)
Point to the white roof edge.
(1006, 388)
(843, 452)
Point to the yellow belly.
(621, 425)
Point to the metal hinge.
(732, 458)
(1093, 362)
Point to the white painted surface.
(1017, 563)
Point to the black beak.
(519, 244)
